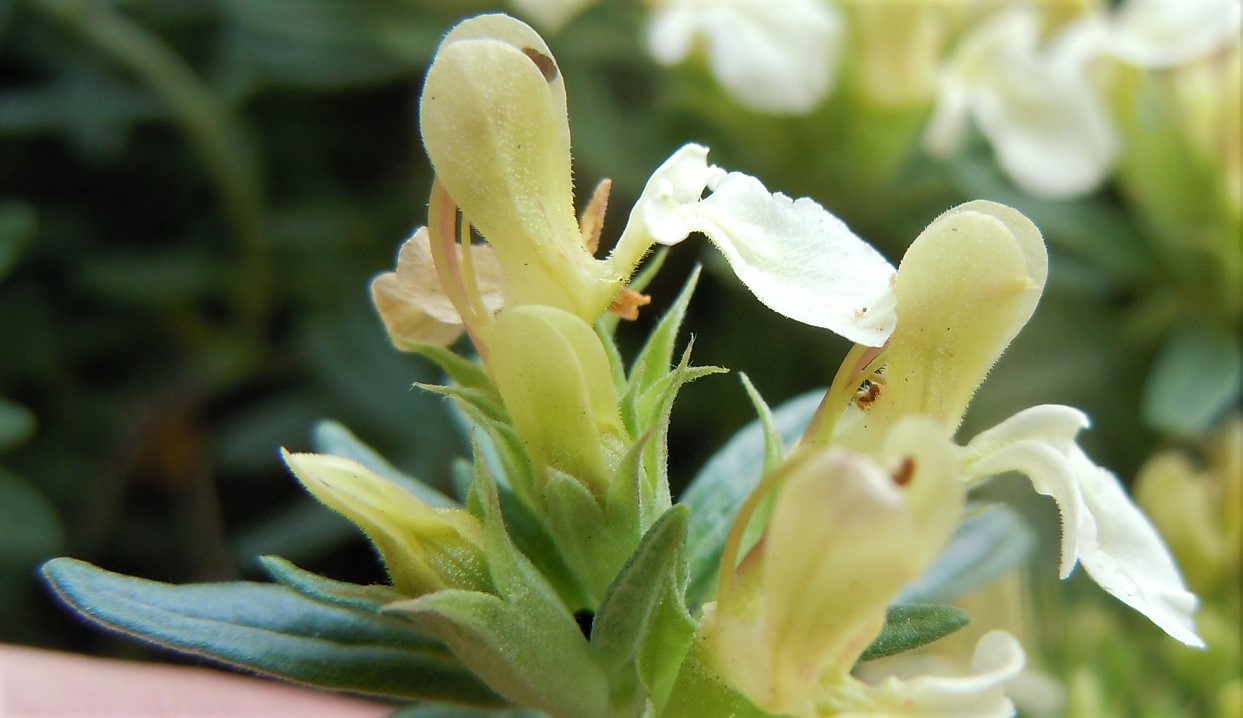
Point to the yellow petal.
(424, 549)
(493, 118)
(555, 380)
(965, 288)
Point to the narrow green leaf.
(909, 626)
(622, 620)
(523, 642)
(656, 357)
(462, 371)
(988, 544)
(272, 630)
(31, 529)
(321, 588)
(774, 443)
(718, 490)
(18, 223)
(1196, 378)
(330, 437)
(521, 654)
(17, 424)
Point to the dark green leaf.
(656, 357)
(321, 588)
(718, 490)
(909, 626)
(442, 711)
(17, 228)
(1196, 378)
(16, 424)
(621, 621)
(272, 630)
(304, 529)
(331, 43)
(28, 523)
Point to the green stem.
(205, 120)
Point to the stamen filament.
(442, 223)
(860, 362)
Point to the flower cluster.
(566, 579)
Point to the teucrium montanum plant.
(566, 580)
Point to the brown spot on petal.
(547, 66)
(906, 470)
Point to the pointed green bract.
(909, 626)
(522, 640)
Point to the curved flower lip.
(779, 58)
(796, 257)
(1101, 528)
(998, 657)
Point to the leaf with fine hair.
(272, 630)
(909, 626)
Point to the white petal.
(1035, 105)
(551, 15)
(998, 658)
(1123, 553)
(796, 257)
(1051, 132)
(800, 260)
(1163, 33)
(1051, 475)
(1052, 424)
(678, 183)
(771, 56)
(1101, 527)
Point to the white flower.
(796, 257)
(1101, 528)
(551, 15)
(1164, 33)
(1035, 105)
(998, 658)
(776, 56)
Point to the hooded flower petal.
(778, 57)
(845, 535)
(412, 302)
(1037, 107)
(998, 658)
(494, 123)
(965, 288)
(796, 257)
(1101, 527)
